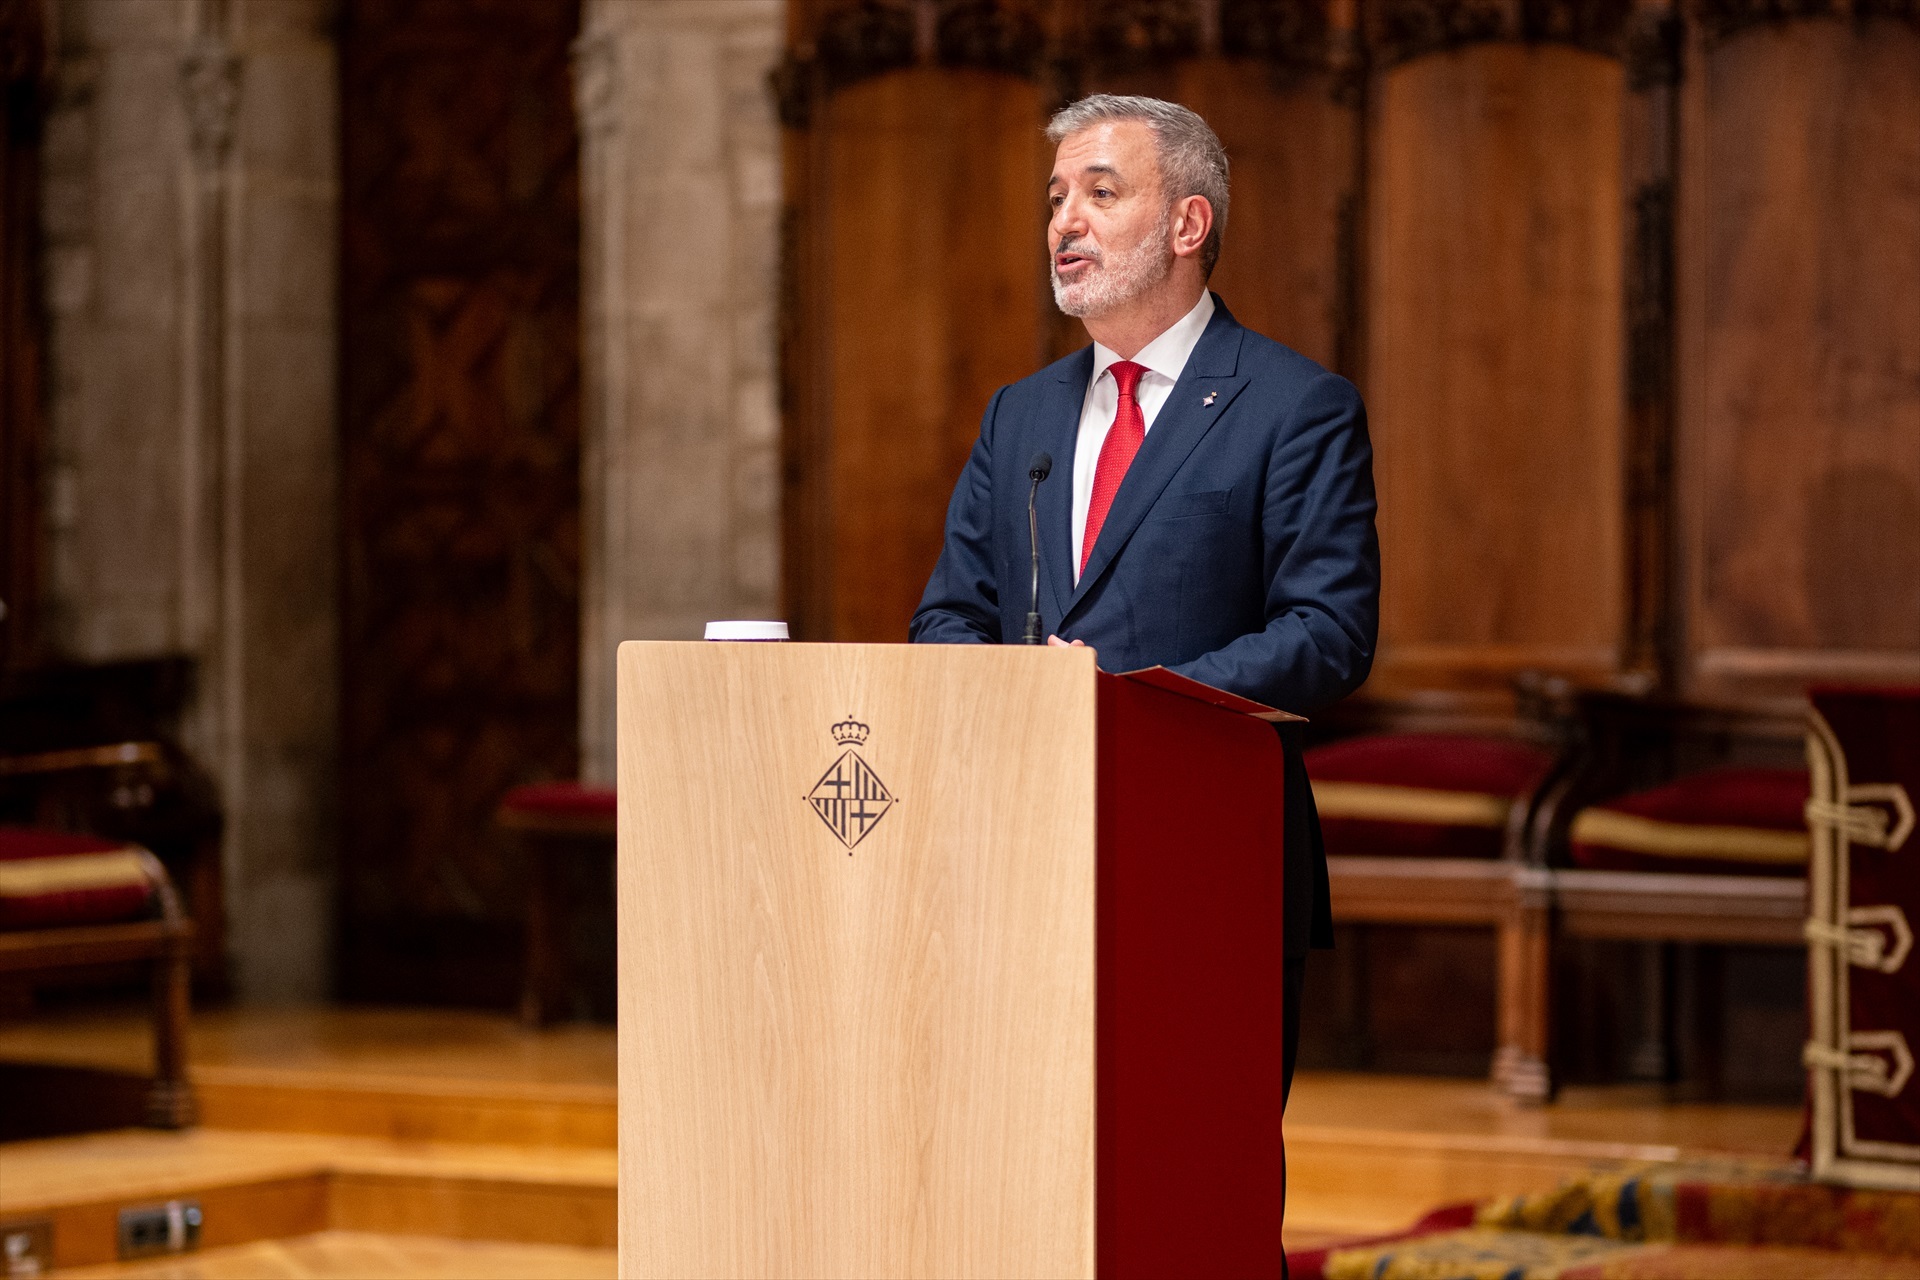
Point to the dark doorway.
(460, 430)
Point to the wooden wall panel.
(460, 450)
(935, 261)
(1801, 416)
(1494, 357)
(1293, 156)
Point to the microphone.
(1039, 469)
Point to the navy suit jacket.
(1240, 549)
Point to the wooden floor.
(409, 1143)
(1370, 1153)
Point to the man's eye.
(1103, 193)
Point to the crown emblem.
(850, 798)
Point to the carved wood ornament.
(1406, 29)
(1055, 43)
(1061, 42)
(460, 478)
(1720, 19)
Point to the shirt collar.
(1166, 355)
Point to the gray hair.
(1192, 161)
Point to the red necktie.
(1116, 454)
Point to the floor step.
(471, 1126)
(403, 1109)
(262, 1186)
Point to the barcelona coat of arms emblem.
(850, 798)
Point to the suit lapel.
(1058, 434)
(1182, 423)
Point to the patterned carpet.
(1696, 1221)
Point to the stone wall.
(681, 187)
(190, 229)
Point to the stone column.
(191, 231)
(681, 208)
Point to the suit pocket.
(1177, 506)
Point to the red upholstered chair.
(1432, 795)
(550, 823)
(95, 747)
(1426, 823)
(1741, 821)
(74, 902)
(1677, 823)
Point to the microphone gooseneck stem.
(1033, 541)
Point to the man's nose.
(1068, 220)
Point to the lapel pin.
(1208, 402)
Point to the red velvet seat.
(74, 902)
(560, 808)
(53, 879)
(1431, 795)
(1721, 821)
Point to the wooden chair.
(1674, 823)
(1425, 804)
(92, 747)
(74, 904)
(551, 823)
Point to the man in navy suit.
(1211, 503)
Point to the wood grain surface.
(867, 1062)
(1801, 401)
(1495, 347)
(925, 248)
(1294, 150)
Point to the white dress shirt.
(1163, 359)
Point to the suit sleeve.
(962, 601)
(1322, 562)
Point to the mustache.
(1079, 245)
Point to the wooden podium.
(945, 961)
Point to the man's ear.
(1192, 223)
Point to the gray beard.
(1118, 278)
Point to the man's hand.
(1057, 643)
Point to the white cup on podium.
(746, 630)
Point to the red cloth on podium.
(1192, 1166)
